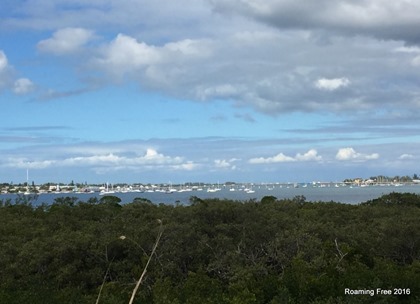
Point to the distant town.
(107, 188)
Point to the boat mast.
(27, 180)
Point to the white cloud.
(3, 61)
(221, 163)
(332, 84)
(245, 63)
(187, 166)
(23, 86)
(311, 155)
(279, 158)
(274, 69)
(189, 47)
(160, 64)
(124, 54)
(407, 49)
(150, 160)
(411, 50)
(406, 156)
(243, 72)
(153, 157)
(347, 154)
(23, 163)
(225, 164)
(6, 72)
(217, 91)
(7, 78)
(66, 41)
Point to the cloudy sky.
(208, 90)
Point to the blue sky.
(208, 90)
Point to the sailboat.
(249, 190)
(27, 192)
(106, 191)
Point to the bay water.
(340, 194)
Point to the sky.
(208, 90)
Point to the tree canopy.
(211, 251)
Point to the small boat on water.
(106, 191)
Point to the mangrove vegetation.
(210, 251)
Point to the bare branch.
(340, 253)
(147, 264)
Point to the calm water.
(342, 194)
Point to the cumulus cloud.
(218, 91)
(279, 158)
(151, 157)
(378, 18)
(273, 69)
(225, 164)
(261, 70)
(408, 49)
(311, 155)
(3, 61)
(23, 86)
(229, 68)
(24, 163)
(406, 156)
(187, 166)
(331, 84)
(349, 154)
(66, 41)
(125, 54)
(383, 19)
(150, 160)
(7, 78)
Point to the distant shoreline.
(176, 195)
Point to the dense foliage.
(211, 251)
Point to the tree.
(268, 199)
(110, 199)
